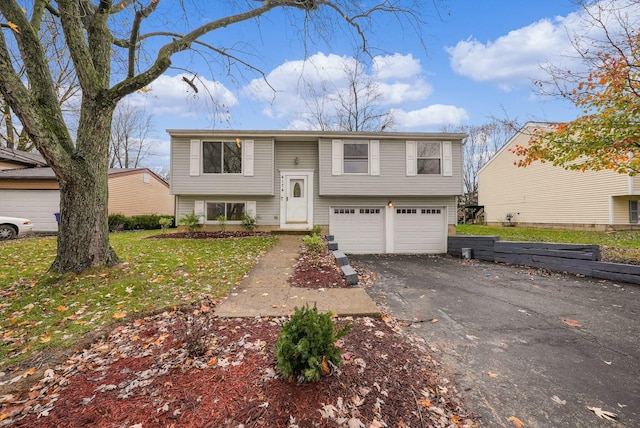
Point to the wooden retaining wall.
(572, 258)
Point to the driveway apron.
(525, 345)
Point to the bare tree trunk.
(83, 240)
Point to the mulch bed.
(188, 368)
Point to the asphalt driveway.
(522, 343)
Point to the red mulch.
(187, 368)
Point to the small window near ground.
(633, 212)
(233, 211)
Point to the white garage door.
(419, 230)
(358, 230)
(38, 206)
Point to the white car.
(12, 227)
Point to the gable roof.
(27, 159)
(48, 174)
(527, 127)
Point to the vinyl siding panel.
(130, 195)
(542, 193)
(393, 179)
(261, 183)
(29, 184)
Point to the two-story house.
(375, 192)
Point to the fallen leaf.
(435, 320)
(62, 308)
(119, 315)
(558, 400)
(386, 318)
(491, 374)
(517, 422)
(603, 414)
(571, 323)
(45, 339)
(29, 372)
(425, 403)
(325, 366)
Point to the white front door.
(296, 200)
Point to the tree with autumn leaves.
(607, 134)
(117, 48)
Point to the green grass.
(623, 247)
(39, 310)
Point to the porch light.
(390, 204)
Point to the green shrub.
(306, 345)
(248, 222)
(165, 222)
(191, 221)
(222, 219)
(314, 244)
(118, 222)
(316, 230)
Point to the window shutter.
(447, 159)
(411, 158)
(247, 157)
(374, 154)
(250, 209)
(198, 209)
(194, 158)
(336, 157)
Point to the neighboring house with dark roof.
(34, 193)
(11, 159)
(543, 195)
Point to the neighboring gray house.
(375, 192)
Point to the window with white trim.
(220, 157)
(232, 211)
(355, 158)
(633, 212)
(428, 157)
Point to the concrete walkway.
(266, 292)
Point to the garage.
(38, 206)
(358, 230)
(381, 229)
(419, 230)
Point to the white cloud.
(435, 116)
(396, 66)
(517, 57)
(291, 88)
(171, 95)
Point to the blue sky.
(480, 61)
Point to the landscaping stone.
(341, 258)
(350, 275)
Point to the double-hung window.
(356, 158)
(633, 212)
(221, 157)
(232, 211)
(428, 157)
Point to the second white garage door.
(419, 230)
(358, 230)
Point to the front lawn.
(621, 247)
(40, 310)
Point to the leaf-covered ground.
(143, 375)
(186, 368)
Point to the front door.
(296, 200)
